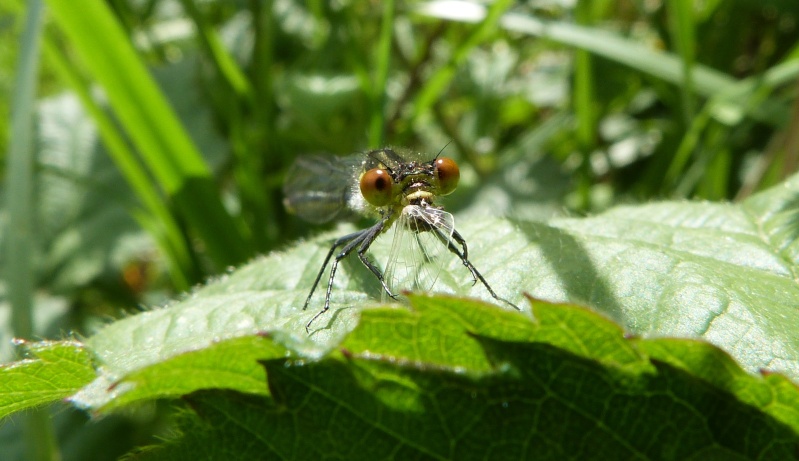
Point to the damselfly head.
(391, 179)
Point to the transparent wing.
(317, 188)
(419, 248)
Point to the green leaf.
(55, 370)
(717, 271)
(433, 332)
(721, 272)
(423, 396)
(227, 364)
(694, 270)
(205, 341)
(775, 394)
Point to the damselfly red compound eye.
(376, 187)
(448, 174)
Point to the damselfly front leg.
(464, 257)
(361, 240)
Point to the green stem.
(682, 31)
(377, 124)
(584, 108)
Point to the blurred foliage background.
(159, 131)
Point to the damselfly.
(397, 187)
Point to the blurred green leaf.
(86, 224)
(706, 81)
(162, 142)
(85, 227)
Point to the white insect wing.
(419, 248)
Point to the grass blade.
(157, 219)
(666, 66)
(583, 102)
(438, 82)
(377, 123)
(20, 206)
(19, 271)
(153, 127)
(682, 30)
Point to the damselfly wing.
(419, 248)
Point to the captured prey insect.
(399, 188)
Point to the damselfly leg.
(361, 240)
(464, 257)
